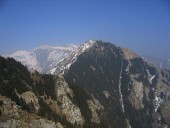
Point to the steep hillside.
(39, 98)
(22, 91)
(132, 93)
(99, 85)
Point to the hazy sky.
(140, 25)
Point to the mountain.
(99, 85)
(166, 64)
(43, 58)
(48, 59)
(134, 90)
(158, 62)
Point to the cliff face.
(132, 92)
(98, 86)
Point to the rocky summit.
(98, 85)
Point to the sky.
(142, 26)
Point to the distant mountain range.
(97, 85)
(159, 63)
(45, 59)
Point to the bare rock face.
(12, 123)
(11, 116)
(95, 106)
(58, 125)
(41, 123)
(162, 95)
(64, 105)
(67, 108)
(129, 54)
(30, 98)
(8, 109)
(137, 94)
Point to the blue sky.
(140, 25)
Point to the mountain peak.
(85, 45)
(67, 62)
(91, 47)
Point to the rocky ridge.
(98, 85)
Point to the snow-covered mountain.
(43, 58)
(72, 57)
(50, 59)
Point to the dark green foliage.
(1, 102)
(80, 99)
(138, 118)
(138, 66)
(142, 78)
(47, 86)
(106, 64)
(12, 75)
(15, 77)
(98, 69)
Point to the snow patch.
(148, 72)
(151, 76)
(67, 62)
(158, 100)
(151, 79)
(120, 91)
(52, 71)
(127, 70)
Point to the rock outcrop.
(12, 116)
(95, 108)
